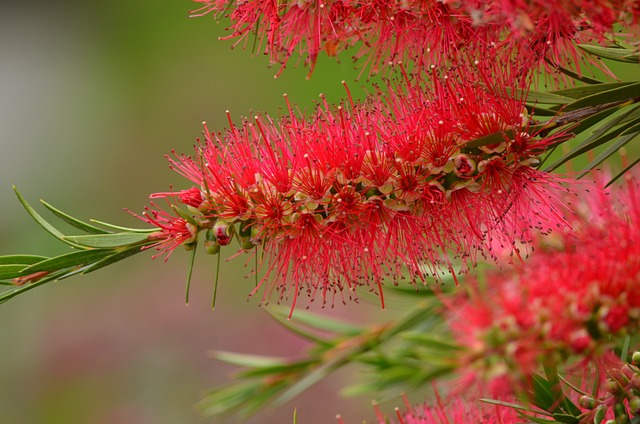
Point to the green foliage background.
(92, 95)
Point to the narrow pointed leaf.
(621, 173)
(9, 294)
(539, 97)
(8, 272)
(543, 395)
(600, 136)
(320, 322)
(432, 341)
(513, 406)
(68, 260)
(621, 141)
(627, 92)
(588, 90)
(307, 381)
(550, 98)
(226, 399)
(249, 361)
(111, 259)
(576, 76)
(83, 226)
(275, 371)
(293, 327)
(613, 53)
(566, 418)
(124, 229)
(107, 240)
(41, 221)
(21, 259)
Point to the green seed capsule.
(211, 245)
(634, 405)
(587, 402)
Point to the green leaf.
(494, 138)
(296, 329)
(68, 260)
(288, 369)
(621, 173)
(550, 98)
(624, 138)
(307, 381)
(599, 137)
(573, 74)
(513, 406)
(600, 415)
(225, 399)
(8, 272)
(249, 361)
(124, 229)
(41, 221)
(539, 97)
(432, 341)
(543, 395)
(619, 94)
(588, 90)
(107, 240)
(9, 294)
(21, 259)
(319, 322)
(613, 53)
(111, 259)
(83, 226)
(565, 418)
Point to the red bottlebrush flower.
(427, 32)
(546, 33)
(420, 31)
(570, 299)
(349, 196)
(457, 411)
(172, 231)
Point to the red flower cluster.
(423, 32)
(459, 411)
(579, 290)
(354, 194)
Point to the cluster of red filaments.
(571, 299)
(423, 32)
(391, 188)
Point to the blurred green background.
(92, 95)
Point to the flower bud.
(635, 358)
(587, 402)
(464, 166)
(223, 232)
(211, 245)
(620, 413)
(191, 197)
(612, 386)
(634, 405)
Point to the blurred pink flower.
(576, 294)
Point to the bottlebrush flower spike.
(458, 411)
(576, 294)
(353, 194)
(424, 32)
